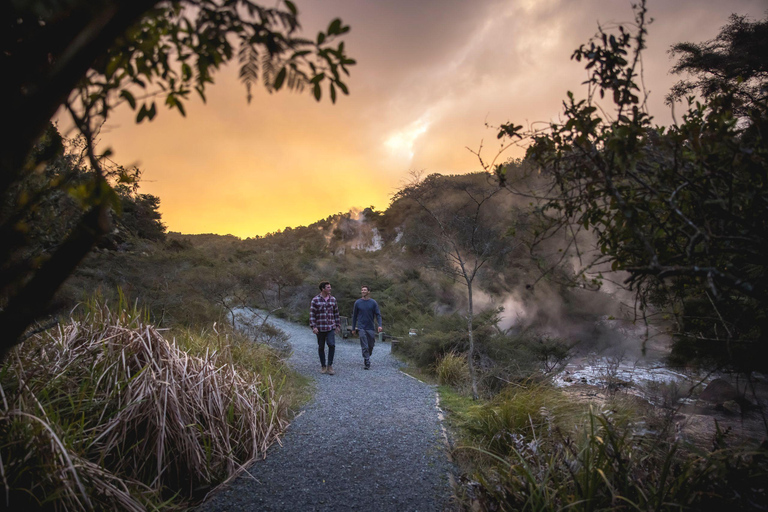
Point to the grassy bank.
(532, 447)
(107, 412)
(528, 445)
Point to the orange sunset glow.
(430, 74)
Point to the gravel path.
(369, 440)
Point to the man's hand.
(338, 330)
(314, 330)
(380, 329)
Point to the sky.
(432, 79)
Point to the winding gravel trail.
(369, 440)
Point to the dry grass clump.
(452, 370)
(104, 413)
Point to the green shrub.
(428, 348)
(303, 318)
(552, 353)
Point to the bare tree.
(460, 227)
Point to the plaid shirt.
(324, 314)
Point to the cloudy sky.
(430, 75)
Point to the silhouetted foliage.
(140, 216)
(90, 56)
(683, 209)
(731, 66)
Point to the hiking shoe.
(367, 365)
(330, 370)
(323, 369)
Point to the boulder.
(719, 391)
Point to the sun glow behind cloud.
(400, 143)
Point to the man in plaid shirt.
(324, 320)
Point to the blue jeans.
(326, 338)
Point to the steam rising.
(352, 231)
(594, 322)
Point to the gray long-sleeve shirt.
(364, 311)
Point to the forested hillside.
(192, 278)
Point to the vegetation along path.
(369, 440)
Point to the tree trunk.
(471, 355)
(26, 306)
(37, 86)
(43, 67)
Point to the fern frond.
(269, 72)
(296, 80)
(248, 57)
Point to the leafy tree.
(87, 57)
(683, 209)
(55, 210)
(732, 65)
(140, 216)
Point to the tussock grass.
(452, 369)
(498, 424)
(105, 413)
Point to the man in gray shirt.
(362, 316)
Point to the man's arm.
(336, 315)
(355, 311)
(378, 315)
(312, 318)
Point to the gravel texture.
(369, 440)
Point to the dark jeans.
(323, 338)
(367, 340)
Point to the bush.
(552, 353)
(104, 413)
(506, 358)
(452, 370)
(441, 336)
